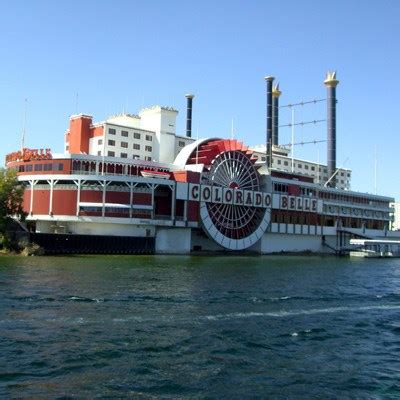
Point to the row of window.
(136, 135)
(41, 167)
(283, 188)
(136, 146)
(124, 155)
(306, 166)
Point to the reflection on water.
(199, 327)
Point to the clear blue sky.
(139, 53)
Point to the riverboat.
(130, 184)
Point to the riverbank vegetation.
(11, 197)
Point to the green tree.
(11, 195)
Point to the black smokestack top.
(268, 158)
(189, 115)
(331, 82)
(275, 98)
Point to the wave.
(85, 299)
(293, 313)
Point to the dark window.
(136, 146)
(124, 133)
(300, 166)
(147, 158)
(111, 131)
(38, 167)
(136, 135)
(306, 166)
(263, 158)
(312, 168)
(124, 145)
(279, 162)
(148, 148)
(286, 163)
(99, 153)
(181, 143)
(124, 155)
(100, 141)
(111, 142)
(48, 167)
(29, 168)
(111, 154)
(149, 138)
(60, 167)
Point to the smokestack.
(331, 82)
(275, 98)
(189, 115)
(268, 158)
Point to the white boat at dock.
(375, 248)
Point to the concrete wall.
(173, 240)
(94, 228)
(276, 243)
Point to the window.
(312, 168)
(136, 146)
(305, 166)
(38, 167)
(111, 154)
(135, 156)
(147, 158)
(111, 131)
(99, 153)
(286, 163)
(111, 142)
(263, 158)
(279, 162)
(67, 148)
(148, 148)
(124, 133)
(136, 135)
(60, 167)
(181, 143)
(124, 155)
(300, 166)
(124, 145)
(46, 167)
(149, 138)
(100, 141)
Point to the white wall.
(96, 228)
(173, 240)
(276, 243)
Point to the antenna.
(197, 147)
(292, 150)
(376, 171)
(24, 124)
